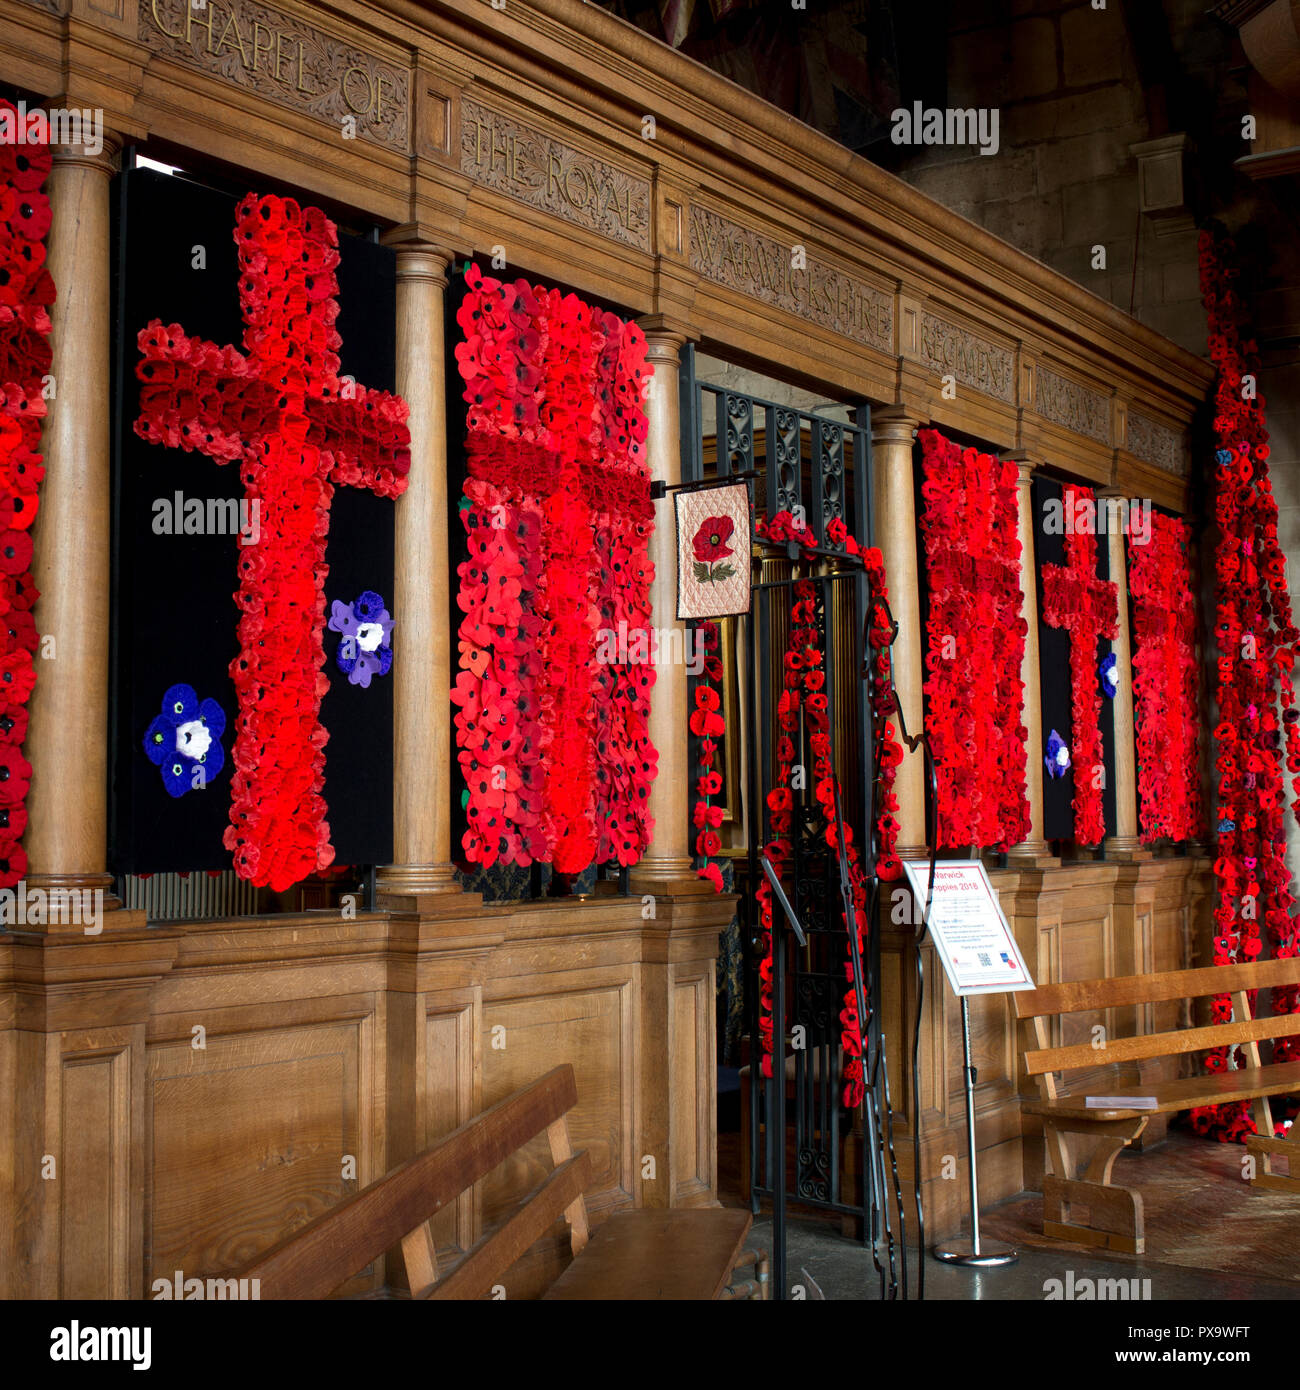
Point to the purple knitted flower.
(1058, 755)
(367, 631)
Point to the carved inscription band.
(972, 360)
(1156, 444)
(744, 260)
(285, 61)
(533, 168)
(1067, 403)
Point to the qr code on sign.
(984, 960)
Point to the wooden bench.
(674, 1254)
(1115, 1213)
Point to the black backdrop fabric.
(174, 614)
(1054, 670)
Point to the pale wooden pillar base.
(668, 878)
(1032, 854)
(1126, 849)
(416, 879)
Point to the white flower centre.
(370, 636)
(1062, 756)
(193, 738)
(1112, 676)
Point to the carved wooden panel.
(532, 167)
(1085, 954)
(802, 284)
(94, 1171)
(694, 1126)
(592, 1028)
(450, 1074)
(277, 56)
(247, 1138)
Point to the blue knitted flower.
(186, 735)
(1109, 673)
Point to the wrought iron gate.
(796, 459)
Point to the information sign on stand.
(980, 956)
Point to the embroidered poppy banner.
(556, 659)
(252, 710)
(26, 293)
(975, 644)
(713, 548)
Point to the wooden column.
(1124, 843)
(67, 738)
(894, 514)
(1033, 849)
(423, 765)
(667, 862)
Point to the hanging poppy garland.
(297, 430)
(976, 645)
(1257, 643)
(1086, 607)
(26, 293)
(804, 693)
(553, 691)
(1165, 682)
(708, 725)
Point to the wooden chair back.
(315, 1260)
(1078, 995)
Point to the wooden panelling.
(593, 1029)
(250, 1136)
(94, 1170)
(693, 1131)
(451, 1081)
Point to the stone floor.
(830, 1266)
(1210, 1236)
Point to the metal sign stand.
(971, 1252)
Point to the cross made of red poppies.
(1087, 608)
(296, 428)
